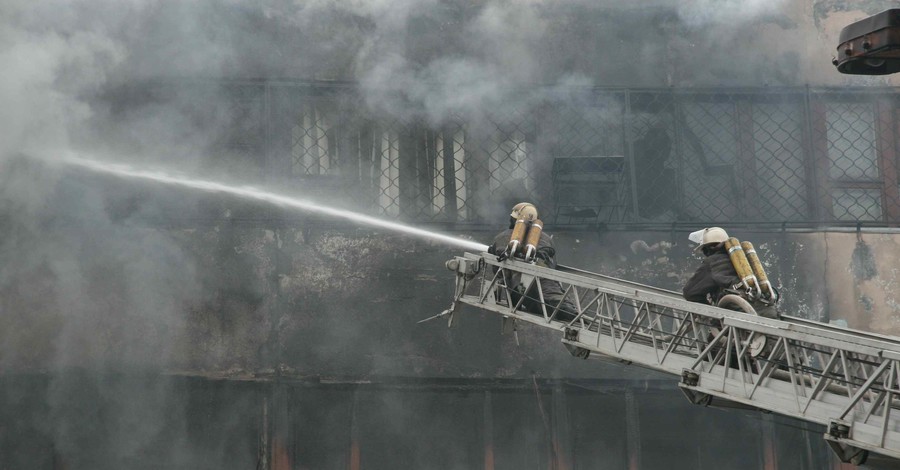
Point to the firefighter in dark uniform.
(546, 257)
(716, 273)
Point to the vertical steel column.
(449, 170)
(281, 445)
(562, 442)
(478, 178)
(678, 151)
(749, 203)
(817, 159)
(885, 142)
(628, 147)
(264, 450)
(488, 432)
(354, 458)
(632, 431)
(267, 132)
(767, 432)
(424, 168)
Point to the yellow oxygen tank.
(517, 237)
(741, 264)
(758, 270)
(532, 239)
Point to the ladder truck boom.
(844, 379)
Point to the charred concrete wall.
(260, 298)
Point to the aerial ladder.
(846, 380)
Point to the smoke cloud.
(86, 281)
(700, 13)
(97, 78)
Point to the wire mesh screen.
(603, 157)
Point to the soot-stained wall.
(347, 302)
(255, 300)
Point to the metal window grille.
(648, 156)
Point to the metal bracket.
(690, 378)
(465, 271)
(571, 334)
(508, 324)
(450, 311)
(838, 431)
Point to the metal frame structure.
(844, 379)
(777, 156)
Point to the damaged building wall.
(108, 287)
(289, 311)
(345, 302)
(861, 276)
(375, 287)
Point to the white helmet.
(708, 236)
(524, 210)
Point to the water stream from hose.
(248, 192)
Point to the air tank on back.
(758, 270)
(741, 264)
(517, 237)
(532, 239)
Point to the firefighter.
(716, 273)
(545, 256)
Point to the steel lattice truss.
(844, 379)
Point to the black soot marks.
(862, 263)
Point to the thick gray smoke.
(493, 55)
(84, 282)
(444, 58)
(700, 13)
(96, 77)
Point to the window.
(851, 142)
(853, 172)
(449, 175)
(311, 151)
(779, 161)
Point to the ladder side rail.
(809, 377)
(778, 396)
(821, 334)
(826, 326)
(599, 276)
(856, 384)
(632, 327)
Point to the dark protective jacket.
(546, 257)
(714, 274)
